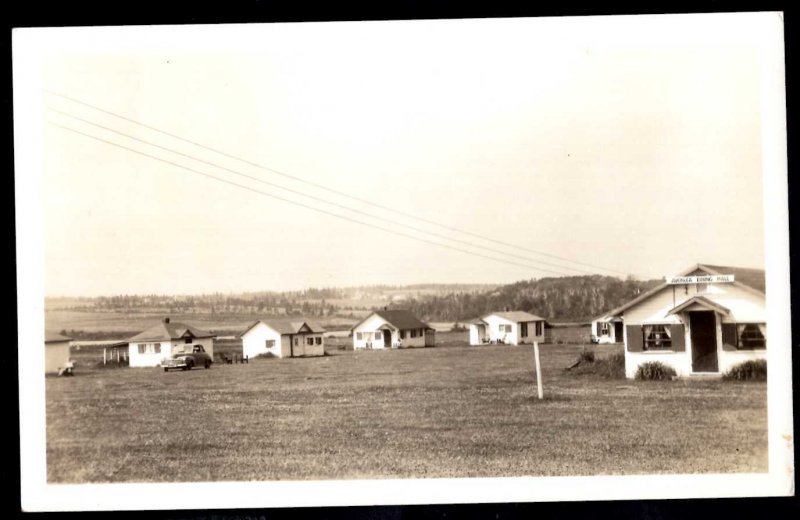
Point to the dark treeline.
(575, 298)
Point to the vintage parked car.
(186, 357)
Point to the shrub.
(654, 371)
(611, 367)
(755, 370)
(586, 356)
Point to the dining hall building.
(704, 321)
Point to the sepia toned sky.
(626, 144)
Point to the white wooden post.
(538, 369)
(104, 355)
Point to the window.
(378, 335)
(198, 348)
(270, 343)
(539, 326)
(524, 330)
(187, 340)
(149, 348)
(602, 329)
(656, 337)
(505, 328)
(750, 336)
(319, 340)
(358, 336)
(309, 341)
(402, 334)
(413, 333)
(296, 341)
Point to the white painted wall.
(745, 307)
(155, 359)
(370, 326)
(512, 338)
(56, 355)
(254, 341)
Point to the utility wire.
(318, 199)
(326, 188)
(388, 230)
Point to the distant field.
(457, 411)
(120, 325)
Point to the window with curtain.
(539, 326)
(656, 337)
(602, 328)
(750, 336)
(524, 330)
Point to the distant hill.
(574, 298)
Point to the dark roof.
(168, 331)
(287, 326)
(753, 278)
(53, 337)
(398, 318)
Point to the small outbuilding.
(149, 348)
(392, 329)
(283, 338)
(701, 322)
(509, 327)
(56, 352)
(607, 329)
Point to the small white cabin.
(283, 338)
(56, 351)
(510, 327)
(607, 329)
(703, 321)
(392, 329)
(149, 348)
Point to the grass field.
(439, 412)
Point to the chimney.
(166, 320)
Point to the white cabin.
(283, 338)
(149, 348)
(392, 329)
(510, 327)
(607, 329)
(56, 352)
(704, 326)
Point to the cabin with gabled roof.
(392, 329)
(283, 338)
(508, 327)
(150, 347)
(703, 321)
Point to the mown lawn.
(436, 412)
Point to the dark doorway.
(703, 328)
(387, 339)
(618, 332)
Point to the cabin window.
(319, 340)
(539, 326)
(378, 335)
(505, 328)
(188, 341)
(270, 343)
(296, 342)
(403, 334)
(656, 337)
(149, 348)
(413, 333)
(524, 330)
(751, 336)
(358, 336)
(602, 329)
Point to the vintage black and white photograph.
(403, 261)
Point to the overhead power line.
(242, 186)
(318, 199)
(332, 190)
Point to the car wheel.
(185, 367)
(166, 369)
(208, 364)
